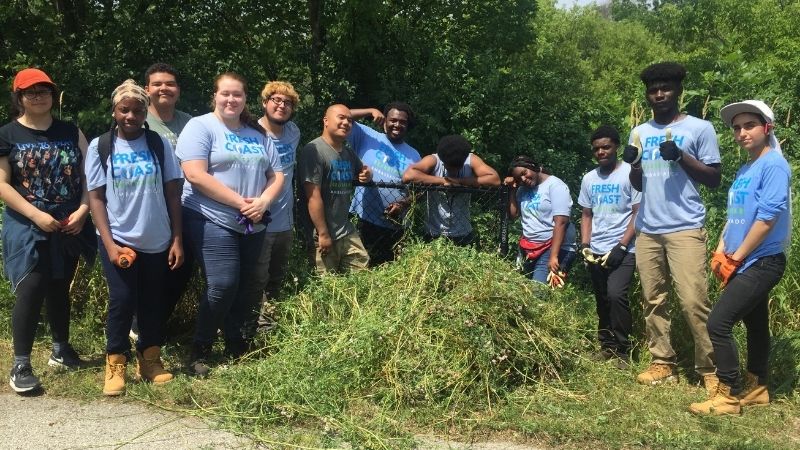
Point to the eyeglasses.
(31, 94)
(282, 101)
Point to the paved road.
(57, 423)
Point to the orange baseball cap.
(28, 77)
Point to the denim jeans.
(275, 256)
(745, 298)
(537, 269)
(234, 279)
(613, 308)
(139, 289)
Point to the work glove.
(724, 267)
(613, 258)
(632, 155)
(126, 258)
(556, 280)
(670, 151)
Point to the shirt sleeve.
(310, 168)
(707, 146)
(171, 169)
(772, 196)
(5, 146)
(560, 199)
(272, 154)
(584, 197)
(195, 141)
(95, 176)
(356, 137)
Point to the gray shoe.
(22, 379)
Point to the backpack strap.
(154, 143)
(104, 149)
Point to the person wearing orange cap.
(45, 227)
(749, 260)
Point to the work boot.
(149, 366)
(753, 394)
(721, 403)
(657, 374)
(115, 374)
(710, 381)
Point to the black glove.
(631, 155)
(670, 151)
(615, 256)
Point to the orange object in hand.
(126, 257)
(724, 267)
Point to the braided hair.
(526, 162)
(128, 89)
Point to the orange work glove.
(724, 267)
(126, 258)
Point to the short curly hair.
(402, 107)
(282, 88)
(663, 71)
(453, 150)
(605, 131)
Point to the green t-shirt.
(334, 172)
(171, 129)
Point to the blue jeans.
(537, 269)
(234, 280)
(139, 290)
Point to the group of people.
(646, 213)
(168, 191)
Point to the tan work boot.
(710, 381)
(722, 403)
(115, 374)
(657, 374)
(150, 368)
(753, 394)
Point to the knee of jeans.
(717, 327)
(222, 290)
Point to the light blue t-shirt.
(388, 161)
(281, 210)
(537, 207)
(611, 198)
(135, 203)
(239, 160)
(670, 198)
(759, 192)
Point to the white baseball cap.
(748, 106)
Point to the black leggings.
(36, 288)
(746, 299)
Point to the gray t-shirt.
(611, 198)
(135, 203)
(281, 209)
(240, 160)
(448, 213)
(334, 173)
(670, 198)
(170, 130)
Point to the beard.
(275, 121)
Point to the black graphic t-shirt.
(45, 165)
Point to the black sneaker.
(22, 379)
(66, 359)
(603, 355)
